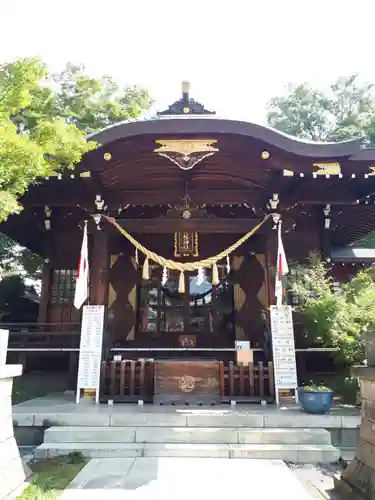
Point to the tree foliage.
(26, 153)
(16, 300)
(338, 319)
(94, 103)
(345, 111)
(44, 119)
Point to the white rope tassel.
(146, 270)
(164, 278)
(181, 283)
(215, 275)
(136, 256)
(228, 264)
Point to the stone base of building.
(13, 471)
(357, 482)
(360, 475)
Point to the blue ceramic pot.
(317, 402)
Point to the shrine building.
(187, 185)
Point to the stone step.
(152, 416)
(287, 452)
(202, 435)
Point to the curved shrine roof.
(207, 125)
(189, 118)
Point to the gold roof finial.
(185, 87)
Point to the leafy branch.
(341, 318)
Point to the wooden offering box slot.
(186, 382)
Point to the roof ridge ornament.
(186, 105)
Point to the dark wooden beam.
(162, 225)
(142, 197)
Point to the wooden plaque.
(186, 382)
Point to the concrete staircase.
(292, 445)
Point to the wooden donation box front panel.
(186, 382)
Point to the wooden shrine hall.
(186, 185)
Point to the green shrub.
(334, 319)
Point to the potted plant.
(316, 399)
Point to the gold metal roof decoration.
(333, 168)
(185, 105)
(288, 173)
(372, 173)
(186, 153)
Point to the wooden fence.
(43, 335)
(132, 380)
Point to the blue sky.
(236, 54)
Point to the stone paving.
(186, 478)
(60, 409)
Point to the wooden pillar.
(99, 283)
(99, 268)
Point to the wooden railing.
(127, 381)
(132, 380)
(30, 340)
(43, 335)
(246, 383)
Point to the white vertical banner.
(281, 268)
(283, 348)
(4, 339)
(82, 283)
(90, 350)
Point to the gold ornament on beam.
(327, 168)
(288, 173)
(372, 173)
(186, 153)
(186, 244)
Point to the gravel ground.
(318, 479)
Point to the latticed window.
(161, 308)
(63, 285)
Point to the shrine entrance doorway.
(202, 317)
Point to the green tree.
(347, 110)
(88, 103)
(44, 119)
(336, 319)
(27, 154)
